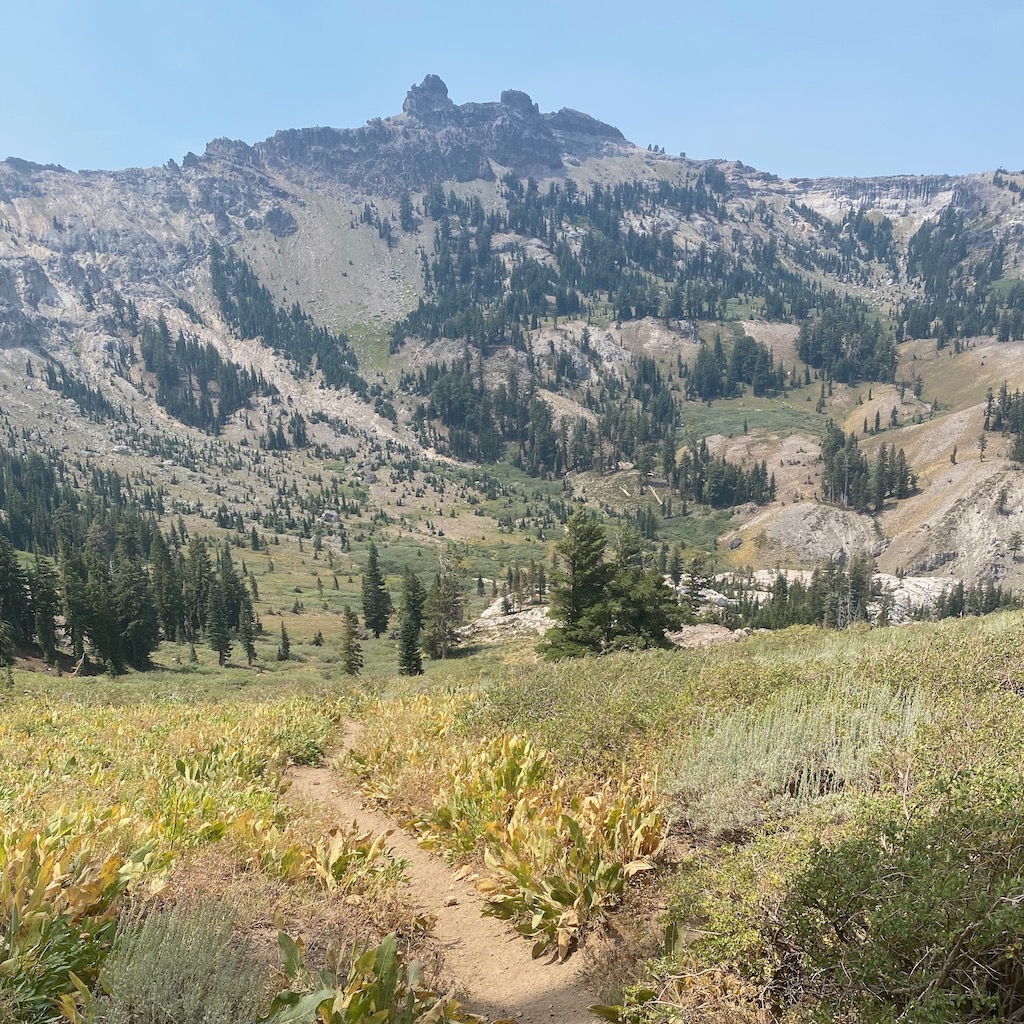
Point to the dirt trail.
(490, 964)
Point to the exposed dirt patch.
(489, 964)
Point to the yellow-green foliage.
(93, 798)
(57, 894)
(378, 986)
(480, 790)
(560, 854)
(562, 861)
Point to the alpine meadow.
(471, 567)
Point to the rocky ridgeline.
(146, 231)
(435, 139)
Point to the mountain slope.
(548, 292)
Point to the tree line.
(193, 383)
(849, 478)
(251, 311)
(123, 590)
(599, 255)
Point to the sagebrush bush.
(180, 966)
(772, 759)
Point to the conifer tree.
(377, 606)
(216, 630)
(137, 623)
(46, 606)
(413, 597)
(443, 610)
(410, 658)
(579, 581)
(247, 630)
(351, 650)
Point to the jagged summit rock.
(430, 96)
(433, 139)
(519, 101)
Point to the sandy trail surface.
(489, 963)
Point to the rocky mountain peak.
(519, 101)
(429, 97)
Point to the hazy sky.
(796, 87)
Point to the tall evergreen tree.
(578, 590)
(167, 588)
(247, 627)
(6, 645)
(46, 606)
(15, 604)
(102, 619)
(443, 610)
(71, 567)
(410, 658)
(377, 606)
(641, 606)
(351, 650)
(600, 605)
(413, 596)
(216, 629)
(198, 578)
(137, 620)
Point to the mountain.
(484, 281)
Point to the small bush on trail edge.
(180, 965)
(377, 986)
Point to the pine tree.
(15, 605)
(579, 581)
(137, 621)
(377, 606)
(413, 597)
(167, 588)
(102, 624)
(46, 606)
(410, 659)
(442, 610)
(198, 578)
(284, 648)
(216, 629)
(247, 627)
(641, 607)
(351, 651)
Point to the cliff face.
(433, 139)
(146, 232)
(294, 204)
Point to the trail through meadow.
(488, 962)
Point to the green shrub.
(378, 987)
(770, 760)
(919, 909)
(180, 966)
(58, 892)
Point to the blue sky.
(798, 88)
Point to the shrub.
(180, 966)
(378, 986)
(919, 909)
(57, 897)
(766, 761)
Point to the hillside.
(483, 282)
(484, 529)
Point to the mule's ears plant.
(380, 987)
